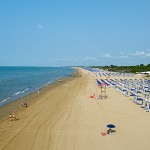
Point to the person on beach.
(10, 117)
(14, 117)
(38, 92)
(25, 105)
(109, 131)
(21, 105)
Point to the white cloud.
(40, 26)
(138, 53)
(123, 55)
(107, 56)
(88, 58)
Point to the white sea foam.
(24, 90)
(16, 82)
(5, 100)
(17, 93)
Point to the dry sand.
(64, 117)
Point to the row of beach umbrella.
(137, 89)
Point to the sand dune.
(66, 118)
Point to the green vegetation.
(125, 69)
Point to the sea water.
(16, 82)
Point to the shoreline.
(22, 81)
(14, 106)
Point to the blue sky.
(66, 33)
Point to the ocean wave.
(24, 90)
(16, 82)
(4, 100)
(16, 93)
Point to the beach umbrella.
(132, 94)
(139, 99)
(147, 90)
(132, 89)
(110, 126)
(146, 87)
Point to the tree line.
(126, 69)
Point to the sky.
(74, 32)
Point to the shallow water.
(16, 82)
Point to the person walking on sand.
(10, 117)
(25, 105)
(14, 117)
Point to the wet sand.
(64, 117)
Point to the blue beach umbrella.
(110, 126)
(132, 89)
(139, 99)
(132, 94)
(147, 91)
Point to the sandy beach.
(64, 117)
